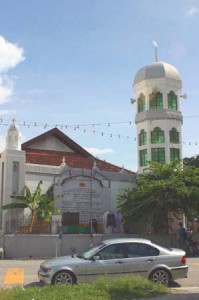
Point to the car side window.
(133, 250)
(153, 251)
(140, 250)
(115, 251)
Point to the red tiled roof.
(73, 160)
(79, 158)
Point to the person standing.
(181, 237)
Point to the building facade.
(85, 187)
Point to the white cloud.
(96, 152)
(6, 88)
(10, 55)
(192, 11)
(4, 94)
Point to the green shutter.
(142, 138)
(157, 136)
(172, 101)
(141, 103)
(143, 158)
(156, 101)
(174, 136)
(174, 154)
(158, 154)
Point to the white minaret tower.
(158, 119)
(13, 139)
(12, 175)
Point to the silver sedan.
(117, 257)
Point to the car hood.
(62, 260)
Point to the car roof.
(126, 240)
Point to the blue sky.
(72, 62)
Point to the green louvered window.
(174, 154)
(156, 101)
(157, 136)
(141, 103)
(174, 136)
(158, 154)
(143, 158)
(172, 101)
(142, 138)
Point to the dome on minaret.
(13, 139)
(157, 69)
(14, 126)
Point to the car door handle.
(119, 262)
(150, 260)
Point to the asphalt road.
(24, 273)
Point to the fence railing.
(45, 227)
(55, 227)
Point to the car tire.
(63, 277)
(160, 276)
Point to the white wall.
(51, 143)
(44, 246)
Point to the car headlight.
(46, 269)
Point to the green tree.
(46, 205)
(163, 188)
(35, 202)
(191, 161)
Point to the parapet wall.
(26, 246)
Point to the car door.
(107, 262)
(141, 259)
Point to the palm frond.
(15, 205)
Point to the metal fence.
(39, 227)
(21, 226)
(43, 227)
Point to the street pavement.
(24, 273)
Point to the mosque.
(86, 188)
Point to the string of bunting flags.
(81, 127)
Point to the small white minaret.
(12, 175)
(158, 119)
(13, 139)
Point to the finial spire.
(155, 45)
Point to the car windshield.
(90, 252)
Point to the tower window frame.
(174, 154)
(158, 155)
(141, 103)
(174, 136)
(172, 101)
(156, 101)
(142, 137)
(143, 155)
(157, 136)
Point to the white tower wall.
(12, 175)
(161, 78)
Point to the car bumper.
(44, 278)
(178, 273)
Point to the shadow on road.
(174, 284)
(34, 284)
